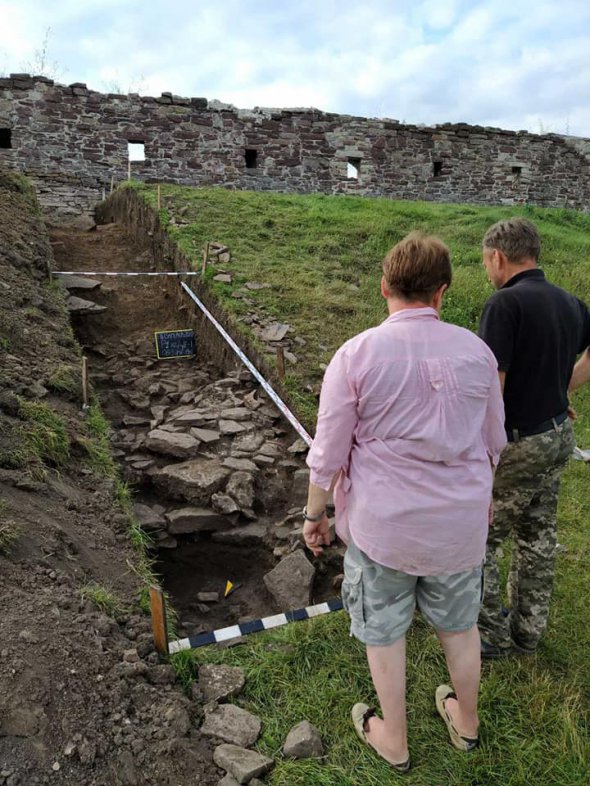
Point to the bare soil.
(84, 699)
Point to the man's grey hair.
(518, 238)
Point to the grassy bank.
(321, 257)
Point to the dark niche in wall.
(517, 171)
(5, 138)
(437, 168)
(251, 157)
(353, 168)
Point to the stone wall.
(74, 143)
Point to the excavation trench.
(216, 474)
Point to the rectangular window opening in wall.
(251, 158)
(353, 168)
(517, 171)
(437, 168)
(136, 150)
(5, 138)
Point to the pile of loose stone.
(211, 456)
(214, 447)
(238, 729)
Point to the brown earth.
(84, 698)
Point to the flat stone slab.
(194, 481)
(205, 435)
(171, 443)
(193, 417)
(229, 427)
(79, 282)
(276, 331)
(290, 582)
(236, 413)
(253, 534)
(77, 305)
(242, 763)
(232, 724)
(243, 464)
(303, 742)
(218, 682)
(183, 521)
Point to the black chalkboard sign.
(175, 343)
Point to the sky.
(514, 64)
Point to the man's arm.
(502, 375)
(581, 372)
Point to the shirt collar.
(534, 272)
(413, 313)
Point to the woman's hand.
(317, 534)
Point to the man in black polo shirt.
(536, 330)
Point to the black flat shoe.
(492, 651)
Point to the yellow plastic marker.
(228, 588)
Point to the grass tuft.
(65, 379)
(45, 434)
(103, 598)
(10, 531)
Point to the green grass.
(45, 434)
(65, 379)
(322, 256)
(10, 531)
(533, 724)
(97, 446)
(103, 598)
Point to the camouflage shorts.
(381, 601)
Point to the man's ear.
(438, 296)
(384, 289)
(500, 259)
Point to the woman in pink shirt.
(410, 427)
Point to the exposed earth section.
(217, 481)
(218, 478)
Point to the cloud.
(425, 61)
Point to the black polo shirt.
(535, 330)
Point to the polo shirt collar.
(535, 273)
(413, 313)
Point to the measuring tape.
(253, 370)
(254, 626)
(102, 273)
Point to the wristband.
(313, 519)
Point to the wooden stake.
(85, 382)
(205, 259)
(159, 626)
(159, 197)
(281, 362)
(112, 183)
(129, 170)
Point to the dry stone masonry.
(74, 142)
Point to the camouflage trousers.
(526, 488)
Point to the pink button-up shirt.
(411, 411)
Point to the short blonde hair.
(417, 267)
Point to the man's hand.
(316, 534)
(572, 414)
